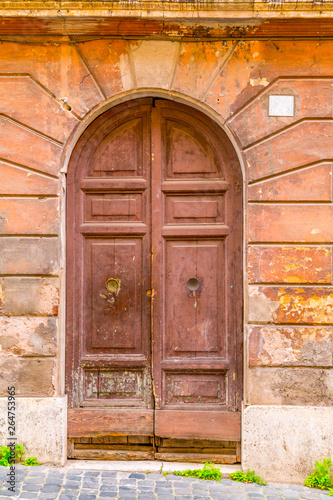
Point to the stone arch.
(160, 93)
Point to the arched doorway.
(154, 279)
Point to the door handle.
(193, 284)
(112, 285)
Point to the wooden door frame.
(162, 95)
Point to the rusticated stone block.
(305, 143)
(290, 346)
(30, 376)
(29, 216)
(33, 296)
(290, 386)
(28, 336)
(289, 264)
(29, 104)
(23, 146)
(110, 63)
(56, 66)
(308, 305)
(290, 223)
(307, 184)
(29, 256)
(19, 181)
(197, 62)
(154, 62)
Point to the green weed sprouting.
(209, 471)
(5, 457)
(246, 477)
(6, 460)
(30, 461)
(321, 477)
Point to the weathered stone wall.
(49, 88)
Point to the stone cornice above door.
(169, 19)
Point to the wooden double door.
(154, 278)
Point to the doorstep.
(142, 466)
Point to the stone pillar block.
(282, 443)
(41, 426)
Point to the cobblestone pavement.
(69, 484)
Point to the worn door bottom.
(153, 448)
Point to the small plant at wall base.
(5, 456)
(321, 477)
(6, 459)
(209, 471)
(246, 477)
(31, 461)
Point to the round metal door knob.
(193, 284)
(112, 285)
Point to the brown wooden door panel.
(120, 259)
(210, 425)
(154, 204)
(107, 422)
(195, 324)
(195, 209)
(121, 151)
(113, 207)
(194, 389)
(123, 387)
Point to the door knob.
(112, 285)
(193, 284)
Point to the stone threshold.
(142, 466)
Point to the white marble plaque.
(281, 105)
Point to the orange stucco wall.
(49, 87)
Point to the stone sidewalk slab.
(71, 483)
